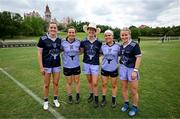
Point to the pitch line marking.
(34, 96)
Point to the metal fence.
(17, 43)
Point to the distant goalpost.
(174, 37)
(168, 38)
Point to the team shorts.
(90, 69)
(71, 71)
(109, 73)
(125, 73)
(52, 70)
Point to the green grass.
(159, 86)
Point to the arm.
(81, 51)
(138, 62)
(137, 65)
(40, 50)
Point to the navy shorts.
(71, 71)
(109, 73)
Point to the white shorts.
(52, 70)
(125, 73)
(90, 69)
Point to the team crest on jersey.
(109, 50)
(123, 51)
(54, 45)
(91, 47)
(91, 53)
(71, 47)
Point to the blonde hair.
(109, 31)
(126, 29)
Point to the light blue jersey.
(110, 56)
(70, 55)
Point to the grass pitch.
(159, 86)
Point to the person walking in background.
(71, 64)
(90, 46)
(139, 40)
(129, 70)
(49, 62)
(110, 51)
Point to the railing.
(17, 43)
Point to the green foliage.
(33, 26)
(78, 25)
(104, 28)
(135, 33)
(116, 34)
(10, 24)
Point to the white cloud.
(117, 13)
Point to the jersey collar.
(50, 37)
(69, 41)
(130, 40)
(93, 40)
(111, 45)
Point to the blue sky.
(116, 13)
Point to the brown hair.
(52, 22)
(71, 27)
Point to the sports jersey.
(70, 55)
(91, 51)
(110, 56)
(129, 53)
(51, 51)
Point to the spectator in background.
(139, 40)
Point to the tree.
(33, 26)
(145, 31)
(78, 25)
(16, 25)
(5, 23)
(135, 33)
(104, 28)
(116, 34)
(10, 24)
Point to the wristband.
(136, 70)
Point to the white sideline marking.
(34, 96)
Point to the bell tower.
(47, 14)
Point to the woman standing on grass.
(49, 61)
(110, 51)
(70, 57)
(90, 46)
(129, 70)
